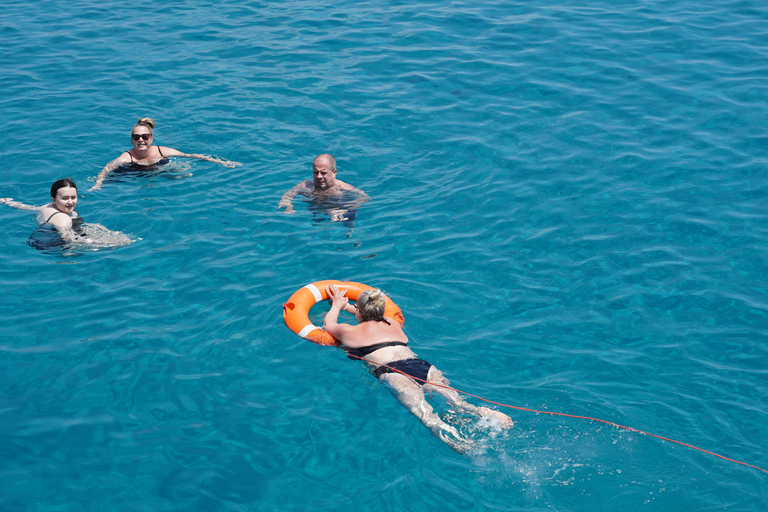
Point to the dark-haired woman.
(381, 341)
(145, 155)
(60, 215)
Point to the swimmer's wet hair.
(371, 304)
(66, 182)
(145, 121)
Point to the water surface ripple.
(568, 202)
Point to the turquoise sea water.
(568, 203)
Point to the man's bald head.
(324, 172)
(326, 159)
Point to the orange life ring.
(296, 310)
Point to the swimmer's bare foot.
(455, 441)
(506, 421)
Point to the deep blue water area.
(568, 202)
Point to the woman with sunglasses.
(145, 156)
(383, 345)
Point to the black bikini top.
(364, 351)
(162, 161)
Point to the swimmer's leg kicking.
(454, 399)
(411, 396)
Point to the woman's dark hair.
(66, 182)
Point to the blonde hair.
(145, 121)
(371, 304)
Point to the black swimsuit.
(76, 221)
(135, 165)
(417, 369)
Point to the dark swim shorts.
(418, 369)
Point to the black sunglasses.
(137, 136)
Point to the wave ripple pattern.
(568, 201)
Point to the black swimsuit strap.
(364, 351)
(378, 319)
(158, 150)
(377, 346)
(51, 215)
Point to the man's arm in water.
(361, 197)
(287, 200)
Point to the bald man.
(322, 185)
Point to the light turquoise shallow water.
(569, 204)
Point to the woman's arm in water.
(172, 152)
(19, 206)
(124, 158)
(331, 323)
(63, 225)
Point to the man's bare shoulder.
(346, 187)
(303, 186)
(342, 185)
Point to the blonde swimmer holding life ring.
(378, 340)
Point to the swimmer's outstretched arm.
(172, 152)
(67, 234)
(124, 158)
(19, 206)
(287, 200)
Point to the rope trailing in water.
(563, 414)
